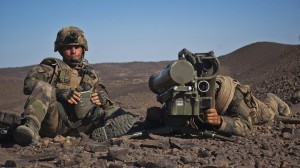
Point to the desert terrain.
(265, 66)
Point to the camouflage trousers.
(43, 106)
(245, 111)
(253, 110)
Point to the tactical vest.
(225, 94)
(65, 77)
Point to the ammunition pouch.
(249, 99)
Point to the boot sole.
(119, 126)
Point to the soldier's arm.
(228, 125)
(234, 126)
(37, 73)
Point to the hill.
(267, 67)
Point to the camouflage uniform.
(47, 114)
(234, 103)
(42, 84)
(196, 99)
(239, 109)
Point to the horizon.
(143, 31)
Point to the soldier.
(237, 109)
(67, 96)
(196, 98)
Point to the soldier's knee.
(44, 88)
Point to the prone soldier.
(195, 96)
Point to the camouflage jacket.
(55, 72)
(238, 107)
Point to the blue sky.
(143, 30)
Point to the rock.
(204, 153)
(46, 141)
(247, 163)
(118, 153)
(152, 144)
(69, 161)
(135, 145)
(295, 151)
(265, 146)
(296, 133)
(203, 161)
(188, 158)
(296, 97)
(181, 144)
(116, 165)
(46, 165)
(100, 163)
(268, 153)
(10, 163)
(95, 148)
(221, 160)
(156, 161)
(59, 139)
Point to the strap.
(57, 64)
(54, 61)
(62, 113)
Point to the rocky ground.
(267, 67)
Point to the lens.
(203, 86)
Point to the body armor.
(65, 77)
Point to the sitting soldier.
(67, 97)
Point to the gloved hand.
(68, 95)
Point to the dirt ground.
(266, 67)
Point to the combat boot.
(277, 104)
(28, 131)
(116, 125)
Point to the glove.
(63, 94)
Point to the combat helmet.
(70, 35)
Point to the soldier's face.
(72, 52)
